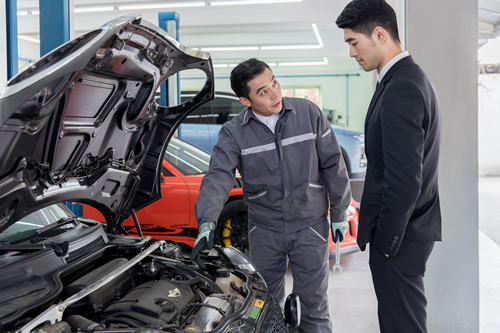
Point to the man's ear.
(245, 101)
(380, 35)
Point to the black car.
(81, 125)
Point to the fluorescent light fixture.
(22, 12)
(249, 2)
(298, 46)
(305, 63)
(29, 39)
(272, 64)
(93, 9)
(35, 12)
(290, 47)
(160, 5)
(231, 48)
(316, 32)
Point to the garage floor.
(352, 299)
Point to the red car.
(173, 216)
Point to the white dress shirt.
(391, 63)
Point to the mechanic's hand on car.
(339, 230)
(205, 239)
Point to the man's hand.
(339, 230)
(205, 239)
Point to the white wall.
(489, 118)
(333, 89)
(447, 51)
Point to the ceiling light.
(22, 12)
(231, 48)
(298, 46)
(305, 63)
(162, 5)
(93, 9)
(249, 2)
(316, 33)
(35, 12)
(29, 39)
(271, 64)
(290, 47)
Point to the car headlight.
(362, 159)
(240, 261)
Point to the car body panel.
(80, 123)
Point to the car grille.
(274, 322)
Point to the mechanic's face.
(265, 94)
(365, 49)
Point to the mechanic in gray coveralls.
(292, 171)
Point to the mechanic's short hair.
(362, 16)
(244, 72)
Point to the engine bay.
(126, 287)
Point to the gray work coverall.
(288, 178)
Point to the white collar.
(391, 63)
(269, 121)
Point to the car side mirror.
(292, 310)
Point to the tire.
(346, 161)
(232, 226)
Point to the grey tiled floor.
(352, 299)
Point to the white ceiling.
(256, 25)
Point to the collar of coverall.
(249, 114)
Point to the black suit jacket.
(402, 136)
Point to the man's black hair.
(363, 16)
(244, 72)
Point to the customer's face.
(364, 49)
(265, 94)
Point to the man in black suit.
(400, 214)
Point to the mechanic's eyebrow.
(263, 87)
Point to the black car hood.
(82, 124)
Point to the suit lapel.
(380, 86)
(376, 95)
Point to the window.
(311, 94)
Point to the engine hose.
(82, 323)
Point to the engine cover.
(152, 304)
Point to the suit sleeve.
(333, 169)
(219, 179)
(402, 114)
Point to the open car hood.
(82, 124)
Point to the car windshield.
(27, 227)
(186, 158)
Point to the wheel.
(346, 161)
(232, 226)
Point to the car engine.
(122, 287)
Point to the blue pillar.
(12, 49)
(163, 18)
(54, 24)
